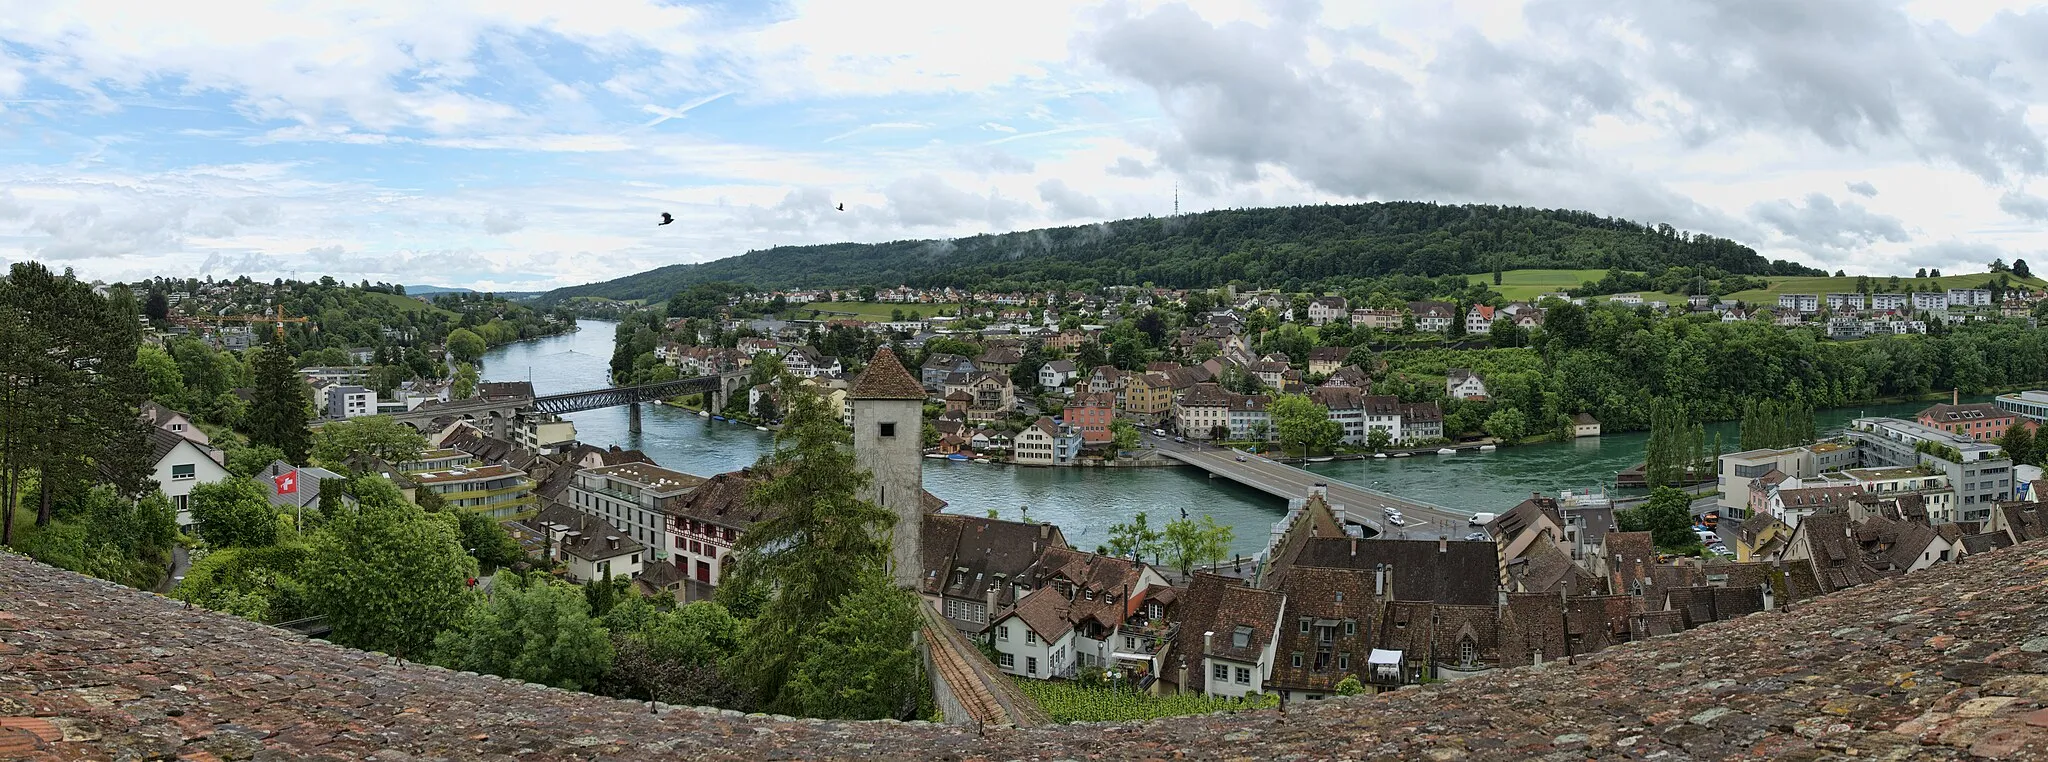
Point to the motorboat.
(1403, 454)
(1487, 448)
(1446, 451)
(718, 418)
(957, 457)
(1323, 459)
(981, 460)
(703, 414)
(934, 456)
(1379, 455)
(760, 428)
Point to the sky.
(520, 145)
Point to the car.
(1476, 537)
(1181, 440)
(1240, 458)
(1396, 520)
(1158, 432)
(1721, 549)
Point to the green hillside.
(1526, 285)
(1295, 248)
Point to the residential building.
(1800, 303)
(355, 374)
(1851, 302)
(544, 433)
(1463, 384)
(1081, 610)
(2031, 405)
(1269, 372)
(1226, 642)
(182, 464)
(1982, 421)
(977, 567)
(305, 484)
(1380, 320)
(348, 401)
(1479, 319)
(808, 363)
(1421, 422)
(1323, 361)
(1347, 407)
(437, 459)
(173, 421)
(590, 548)
(1980, 474)
(495, 490)
(1323, 310)
(1037, 444)
(1148, 398)
(1929, 301)
(1091, 414)
(1057, 373)
(706, 522)
(1969, 297)
(1249, 419)
(636, 496)
(1433, 317)
(999, 359)
(1890, 302)
(994, 396)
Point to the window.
(636, 558)
(1031, 665)
(1350, 627)
(1241, 637)
(1221, 672)
(183, 472)
(1007, 661)
(180, 502)
(177, 427)
(1304, 623)
(1030, 637)
(1244, 676)
(1468, 652)
(888, 429)
(1130, 643)
(1296, 660)
(1003, 632)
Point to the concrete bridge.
(496, 413)
(1363, 505)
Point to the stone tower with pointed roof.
(888, 441)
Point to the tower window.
(889, 429)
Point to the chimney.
(1443, 543)
(1044, 531)
(1354, 547)
(1208, 640)
(1379, 580)
(1183, 675)
(991, 600)
(1955, 396)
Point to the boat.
(1486, 448)
(1324, 459)
(1403, 454)
(718, 418)
(981, 460)
(957, 457)
(703, 414)
(1379, 455)
(760, 428)
(934, 456)
(1446, 451)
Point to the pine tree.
(282, 404)
(821, 541)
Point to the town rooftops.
(492, 390)
(465, 474)
(57, 627)
(648, 475)
(1978, 411)
(886, 379)
(1436, 571)
(594, 539)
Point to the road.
(1280, 480)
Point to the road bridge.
(1363, 505)
(497, 412)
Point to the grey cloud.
(927, 200)
(235, 264)
(1863, 188)
(2024, 205)
(1126, 166)
(1068, 203)
(798, 210)
(500, 222)
(1954, 256)
(993, 161)
(88, 231)
(1824, 223)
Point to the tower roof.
(885, 379)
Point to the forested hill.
(1288, 247)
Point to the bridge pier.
(633, 418)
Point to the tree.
(1123, 435)
(486, 540)
(157, 307)
(388, 576)
(672, 656)
(1135, 539)
(1303, 422)
(1841, 274)
(234, 513)
(1189, 543)
(465, 382)
(262, 584)
(535, 630)
(861, 663)
(1667, 516)
(2020, 444)
(376, 436)
(166, 382)
(1934, 272)
(282, 403)
(1508, 425)
(1496, 276)
(1920, 273)
(250, 461)
(821, 541)
(1998, 265)
(1378, 439)
(465, 346)
(1350, 686)
(1505, 334)
(2020, 269)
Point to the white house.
(1035, 639)
(1324, 309)
(1037, 444)
(1802, 303)
(1849, 301)
(1889, 302)
(1479, 319)
(182, 464)
(349, 401)
(1463, 384)
(1969, 297)
(173, 421)
(806, 362)
(592, 548)
(1930, 300)
(1056, 374)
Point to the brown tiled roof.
(885, 379)
(1453, 571)
(1220, 605)
(491, 390)
(85, 665)
(1326, 597)
(1329, 354)
(1043, 610)
(1338, 397)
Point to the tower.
(888, 434)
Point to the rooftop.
(1944, 663)
(477, 473)
(648, 475)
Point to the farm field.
(1525, 285)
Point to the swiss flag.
(287, 482)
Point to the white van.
(1482, 519)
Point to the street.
(1364, 505)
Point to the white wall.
(1053, 655)
(204, 471)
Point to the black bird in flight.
(665, 219)
(842, 206)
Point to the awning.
(1382, 656)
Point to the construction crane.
(277, 318)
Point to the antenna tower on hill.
(1176, 199)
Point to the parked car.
(1158, 432)
(1476, 537)
(1182, 440)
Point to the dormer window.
(1242, 637)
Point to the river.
(1085, 502)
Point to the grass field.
(1824, 286)
(1525, 285)
(866, 311)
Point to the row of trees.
(1773, 424)
(1183, 543)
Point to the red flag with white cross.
(287, 482)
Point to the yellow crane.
(278, 318)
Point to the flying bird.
(665, 219)
(842, 206)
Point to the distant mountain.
(426, 290)
(1289, 247)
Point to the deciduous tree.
(532, 629)
(860, 663)
(1189, 542)
(388, 576)
(234, 513)
(465, 346)
(377, 436)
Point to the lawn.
(876, 311)
(1526, 285)
(1070, 702)
(1823, 286)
